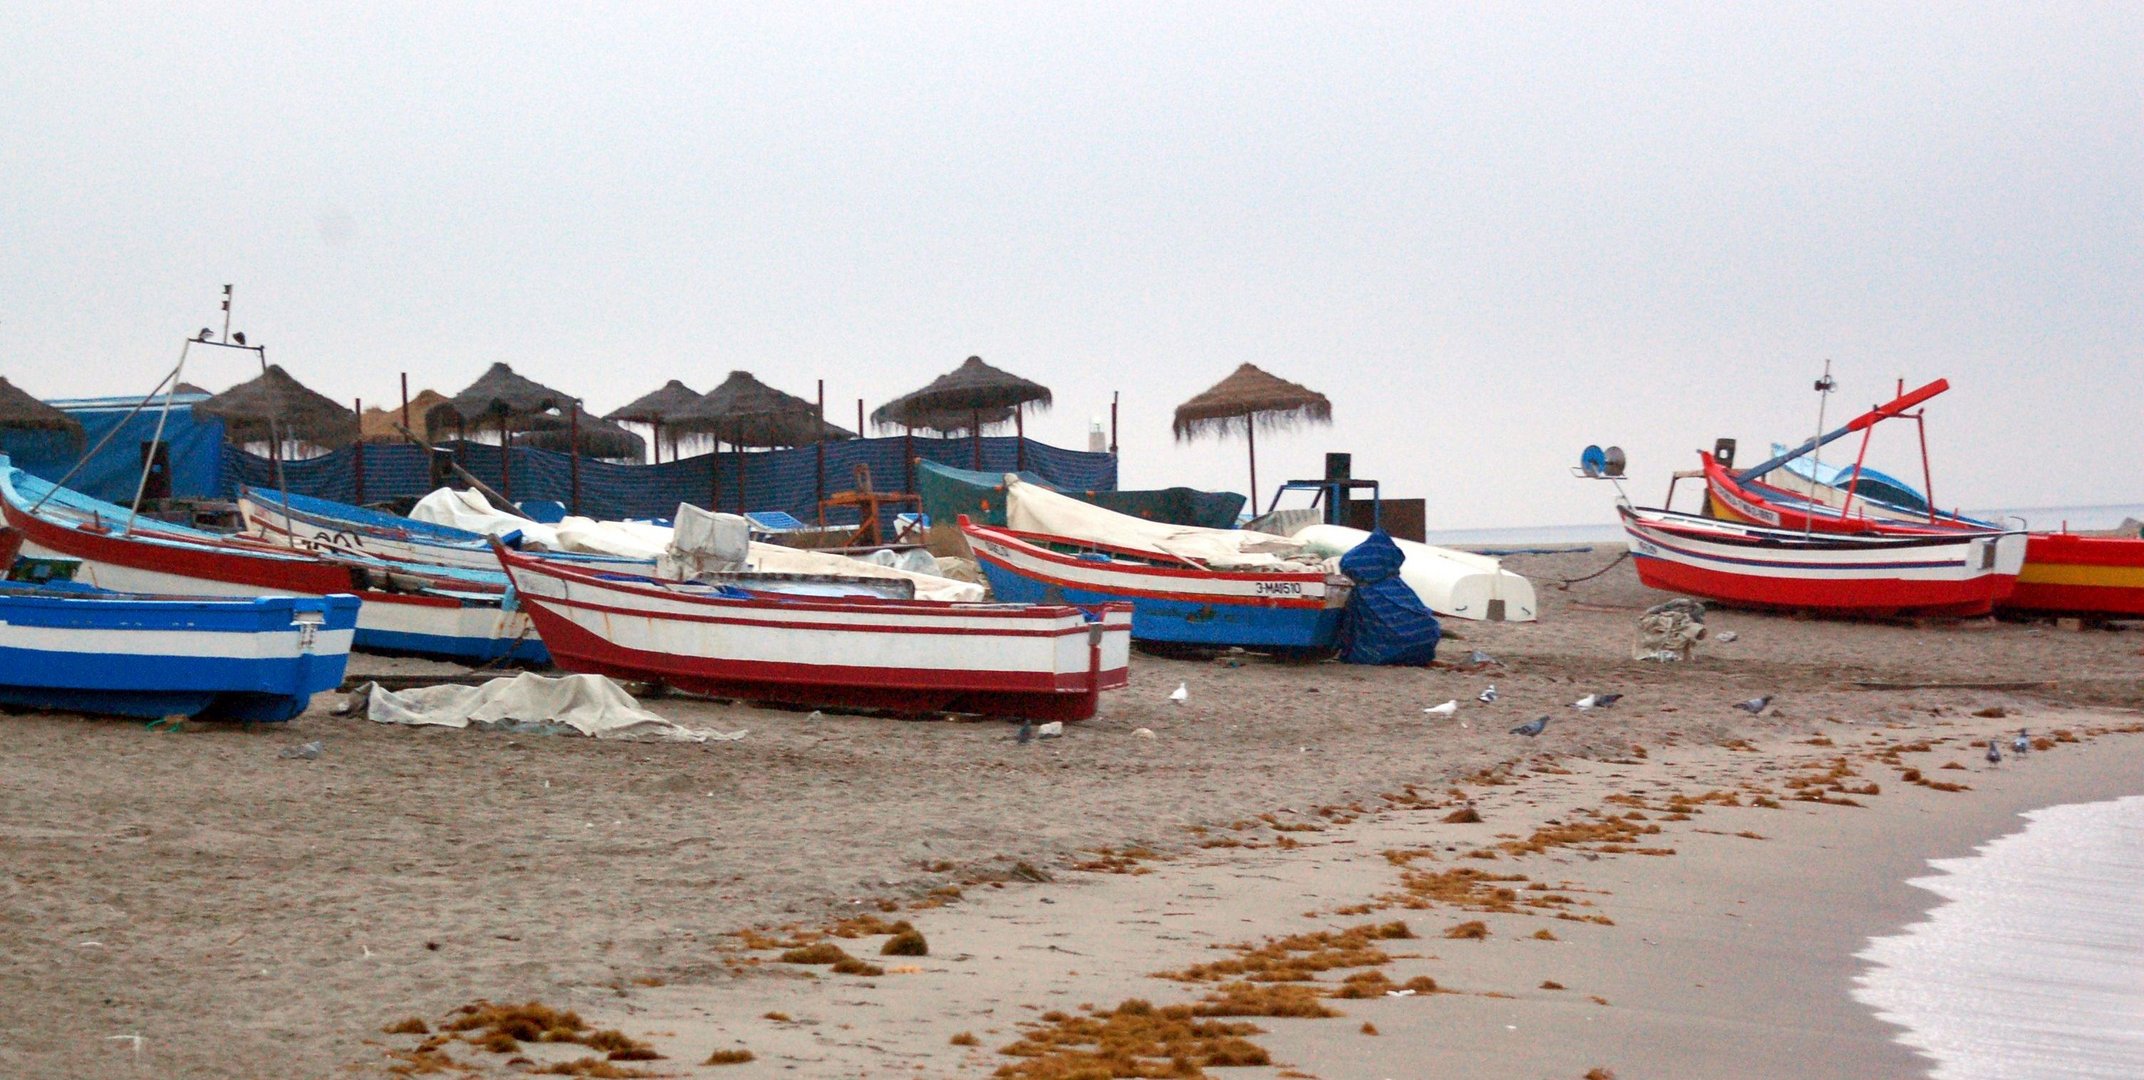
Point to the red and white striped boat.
(1036, 661)
(1866, 574)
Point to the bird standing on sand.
(1995, 754)
(1531, 729)
(1446, 709)
(2021, 744)
(1754, 705)
(1026, 732)
(1596, 701)
(1182, 691)
(1488, 695)
(1480, 657)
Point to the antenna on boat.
(1824, 386)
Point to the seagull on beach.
(1488, 695)
(2022, 743)
(1480, 657)
(1026, 732)
(1182, 691)
(1531, 729)
(1596, 701)
(1446, 709)
(1754, 705)
(1995, 753)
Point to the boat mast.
(1824, 387)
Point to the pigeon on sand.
(1026, 732)
(2022, 743)
(1487, 695)
(1995, 753)
(1754, 705)
(1531, 729)
(1596, 701)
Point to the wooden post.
(1019, 438)
(657, 426)
(737, 444)
(975, 431)
(573, 438)
(405, 399)
(1113, 396)
(357, 462)
(1250, 431)
(908, 458)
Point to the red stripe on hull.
(1862, 596)
(1036, 695)
(301, 576)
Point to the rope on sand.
(1566, 583)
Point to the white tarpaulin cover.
(590, 704)
(1449, 582)
(705, 540)
(1029, 508)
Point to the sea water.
(1610, 531)
(2033, 965)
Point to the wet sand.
(247, 914)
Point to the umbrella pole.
(573, 437)
(976, 430)
(1019, 436)
(1250, 431)
(657, 426)
(714, 474)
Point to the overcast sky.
(1491, 234)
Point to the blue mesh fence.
(785, 480)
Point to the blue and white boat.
(67, 645)
(414, 609)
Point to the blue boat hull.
(86, 650)
(1186, 622)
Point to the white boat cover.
(590, 704)
(1453, 583)
(1458, 583)
(471, 512)
(1030, 508)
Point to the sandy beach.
(250, 915)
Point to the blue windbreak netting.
(1385, 622)
(195, 446)
(786, 480)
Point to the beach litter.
(1670, 631)
(1055, 729)
(304, 752)
(1142, 733)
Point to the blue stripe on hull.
(401, 643)
(1186, 622)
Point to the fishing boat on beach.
(1958, 573)
(416, 610)
(1034, 661)
(2063, 573)
(72, 646)
(1174, 600)
(325, 525)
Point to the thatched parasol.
(510, 400)
(1248, 400)
(655, 408)
(273, 407)
(597, 438)
(746, 412)
(377, 425)
(21, 412)
(975, 389)
(498, 395)
(188, 388)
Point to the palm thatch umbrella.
(746, 412)
(582, 435)
(655, 407)
(378, 425)
(21, 412)
(509, 399)
(273, 407)
(974, 388)
(1249, 399)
